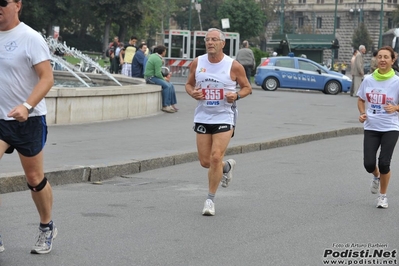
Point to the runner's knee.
(384, 167)
(370, 167)
(39, 187)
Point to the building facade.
(317, 17)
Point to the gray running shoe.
(1, 245)
(209, 208)
(44, 242)
(226, 179)
(375, 185)
(382, 202)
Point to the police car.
(299, 73)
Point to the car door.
(286, 71)
(309, 77)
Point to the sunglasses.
(4, 3)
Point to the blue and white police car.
(299, 73)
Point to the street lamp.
(356, 10)
(280, 11)
(335, 26)
(198, 8)
(381, 18)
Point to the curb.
(97, 173)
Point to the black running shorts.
(28, 137)
(212, 128)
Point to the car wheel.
(270, 84)
(332, 87)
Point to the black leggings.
(374, 140)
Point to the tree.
(395, 17)
(42, 16)
(361, 36)
(245, 16)
(208, 14)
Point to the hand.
(231, 97)
(19, 113)
(389, 108)
(362, 118)
(198, 94)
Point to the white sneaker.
(382, 202)
(375, 185)
(226, 179)
(1, 245)
(209, 208)
(44, 242)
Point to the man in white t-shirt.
(26, 77)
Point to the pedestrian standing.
(358, 70)
(246, 58)
(25, 79)
(212, 82)
(378, 106)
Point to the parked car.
(366, 68)
(299, 73)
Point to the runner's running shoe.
(382, 202)
(226, 179)
(1, 245)
(375, 185)
(44, 242)
(209, 208)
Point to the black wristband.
(238, 96)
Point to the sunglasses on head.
(4, 3)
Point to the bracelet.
(362, 113)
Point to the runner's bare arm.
(191, 83)
(46, 81)
(238, 74)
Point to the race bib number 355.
(213, 94)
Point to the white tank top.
(215, 81)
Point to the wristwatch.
(29, 107)
(238, 96)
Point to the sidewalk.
(98, 151)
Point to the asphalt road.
(263, 117)
(285, 206)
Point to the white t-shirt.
(215, 81)
(377, 94)
(20, 49)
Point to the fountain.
(55, 44)
(114, 97)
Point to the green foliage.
(258, 54)
(361, 36)
(88, 43)
(395, 17)
(85, 23)
(246, 17)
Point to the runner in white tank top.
(215, 81)
(212, 82)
